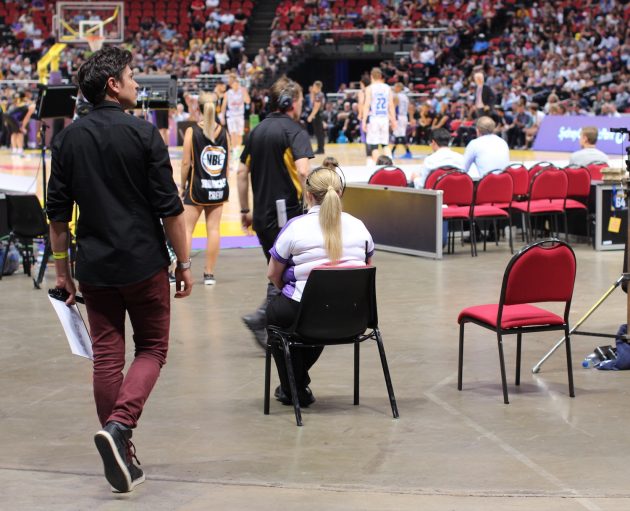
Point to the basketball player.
(401, 103)
(378, 114)
(235, 100)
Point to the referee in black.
(276, 156)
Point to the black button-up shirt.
(116, 167)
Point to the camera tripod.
(623, 278)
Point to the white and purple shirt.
(300, 245)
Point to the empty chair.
(578, 192)
(26, 222)
(543, 165)
(338, 306)
(541, 272)
(595, 169)
(547, 194)
(435, 174)
(493, 193)
(458, 196)
(520, 179)
(389, 175)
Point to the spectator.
(441, 156)
(487, 152)
(589, 153)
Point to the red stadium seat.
(390, 176)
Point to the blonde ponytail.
(208, 108)
(325, 185)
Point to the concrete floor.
(205, 443)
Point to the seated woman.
(323, 236)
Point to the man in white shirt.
(441, 156)
(589, 153)
(488, 151)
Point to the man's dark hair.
(106, 63)
(441, 137)
(384, 160)
(282, 89)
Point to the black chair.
(26, 222)
(338, 307)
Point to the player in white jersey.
(403, 112)
(236, 98)
(378, 114)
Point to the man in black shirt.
(276, 156)
(117, 169)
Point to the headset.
(285, 101)
(338, 171)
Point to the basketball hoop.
(95, 41)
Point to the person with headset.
(324, 236)
(275, 156)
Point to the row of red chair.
(542, 190)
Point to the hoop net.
(95, 41)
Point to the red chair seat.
(571, 204)
(513, 315)
(455, 212)
(540, 206)
(488, 210)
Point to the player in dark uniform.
(204, 179)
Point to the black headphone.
(339, 172)
(285, 101)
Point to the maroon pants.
(148, 304)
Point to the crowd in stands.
(540, 58)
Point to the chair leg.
(496, 233)
(524, 228)
(357, 348)
(460, 362)
(485, 235)
(473, 238)
(511, 240)
(294, 394)
(388, 380)
(567, 344)
(502, 362)
(517, 379)
(566, 227)
(267, 373)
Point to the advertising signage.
(562, 133)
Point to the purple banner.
(562, 133)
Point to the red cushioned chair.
(458, 196)
(435, 174)
(541, 272)
(578, 192)
(389, 176)
(520, 179)
(595, 169)
(493, 192)
(543, 165)
(547, 195)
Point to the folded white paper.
(74, 327)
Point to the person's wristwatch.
(184, 266)
(244, 211)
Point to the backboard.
(75, 22)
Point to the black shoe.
(320, 152)
(257, 323)
(305, 397)
(137, 477)
(111, 443)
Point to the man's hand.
(69, 286)
(246, 220)
(185, 277)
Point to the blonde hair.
(208, 109)
(325, 186)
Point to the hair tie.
(331, 187)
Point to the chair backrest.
(543, 165)
(595, 168)
(549, 184)
(26, 217)
(457, 187)
(520, 178)
(435, 174)
(337, 304)
(390, 175)
(540, 272)
(579, 181)
(495, 187)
